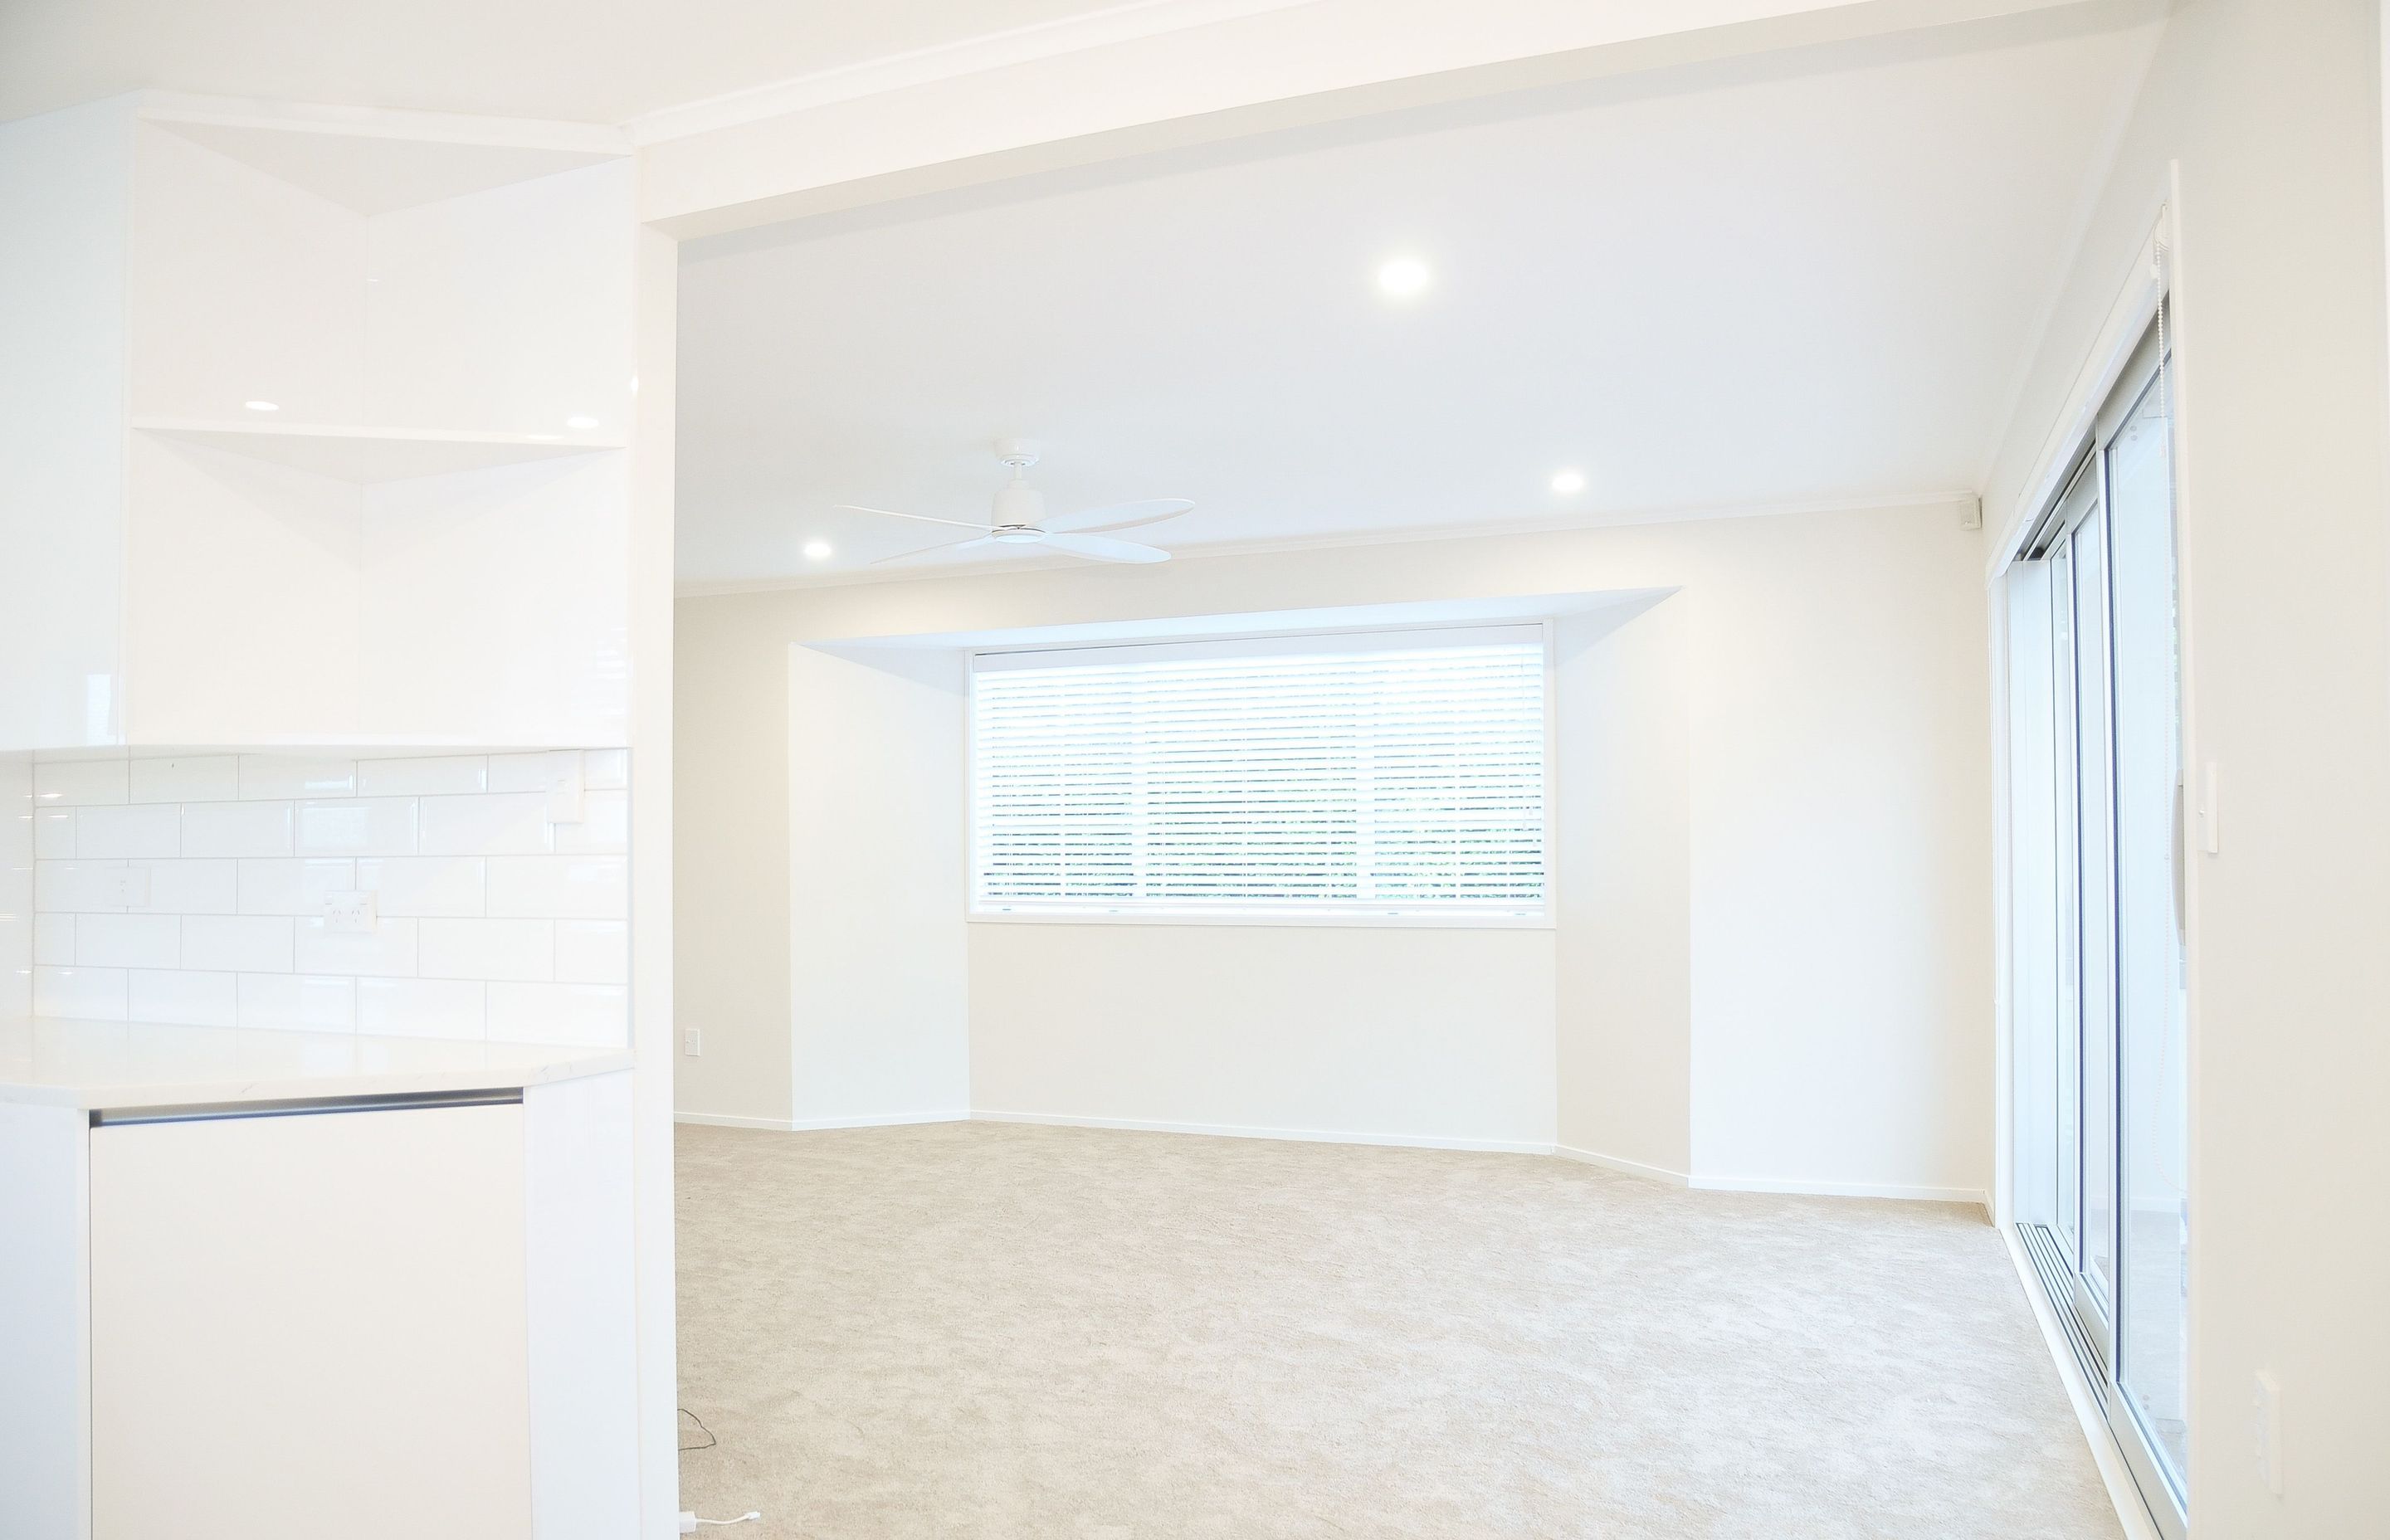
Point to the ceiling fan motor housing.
(1018, 503)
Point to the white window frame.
(2144, 1501)
(1544, 918)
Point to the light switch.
(2266, 1427)
(690, 1043)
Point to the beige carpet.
(982, 1329)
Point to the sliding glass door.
(2152, 1186)
(2099, 1182)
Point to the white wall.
(1841, 759)
(649, 624)
(2261, 123)
(1624, 1023)
(66, 181)
(1393, 1034)
(1837, 843)
(730, 865)
(16, 884)
(876, 906)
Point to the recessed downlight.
(1404, 279)
(581, 422)
(1567, 481)
(817, 550)
(261, 407)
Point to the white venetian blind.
(1397, 772)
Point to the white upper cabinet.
(375, 380)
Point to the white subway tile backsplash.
(110, 833)
(498, 824)
(91, 994)
(533, 772)
(270, 777)
(296, 1002)
(285, 885)
(80, 783)
(78, 887)
(189, 887)
(188, 779)
(385, 951)
(605, 825)
(562, 887)
(53, 834)
(486, 949)
(54, 940)
(439, 774)
(424, 886)
(581, 1015)
(182, 999)
(239, 943)
(419, 1007)
(237, 828)
(593, 952)
(128, 940)
(357, 825)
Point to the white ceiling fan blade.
(1118, 516)
(936, 550)
(924, 517)
(1097, 547)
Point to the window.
(1392, 773)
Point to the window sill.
(1264, 919)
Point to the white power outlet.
(565, 800)
(2266, 1428)
(691, 1043)
(351, 913)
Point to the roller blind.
(1388, 773)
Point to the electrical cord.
(688, 1521)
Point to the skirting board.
(1617, 1163)
(1774, 1184)
(1396, 1141)
(1308, 1136)
(802, 1125)
(2124, 1493)
(1844, 1189)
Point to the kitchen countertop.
(109, 1065)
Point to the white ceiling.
(599, 62)
(1807, 278)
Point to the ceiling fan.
(1018, 519)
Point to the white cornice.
(1558, 524)
(1120, 23)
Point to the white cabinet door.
(310, 1325)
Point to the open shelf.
(371, 455)
(357, 276)
(369, 380)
